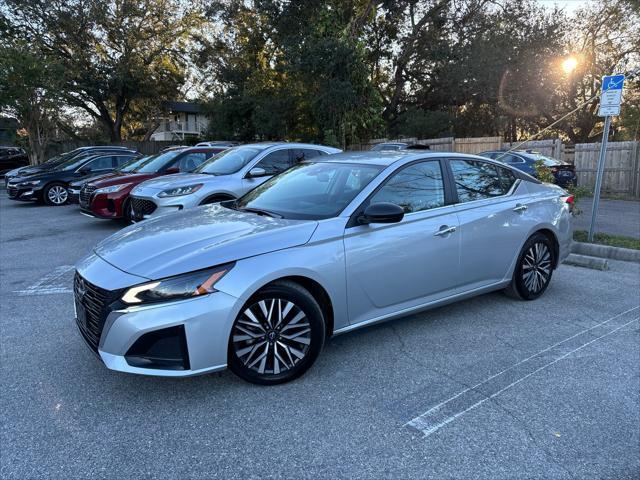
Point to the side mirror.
(84, 170)
(257, 172)
(172, 170)
(382, 213)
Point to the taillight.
(570, 200)
(554, 169)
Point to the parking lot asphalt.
(486, 388)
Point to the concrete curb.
(585, 261)
(605, 251)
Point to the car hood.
(198, 238)
(121, 178)
(178, 180)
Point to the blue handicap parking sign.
(612, 82)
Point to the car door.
(272, 163)
(492, 209)
(391, 267)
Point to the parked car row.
(292, 243)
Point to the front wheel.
(277, 336)
(534, 269)
(55, 194)
(127, 212)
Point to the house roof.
(185, 107)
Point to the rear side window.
(476, 180)
(507, 178)
(415, 188)
(101, 163)
(300, 154)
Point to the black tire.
(259, 349)
(126, 212)
(534, 269)
(55, 194)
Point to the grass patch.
(606, 239)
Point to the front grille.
(142, 207)
(85, 194)
(95, 302)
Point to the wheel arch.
(219, 196)
(317, 291)
(550, 234)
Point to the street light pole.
(599, 175)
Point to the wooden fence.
(622, 165)
(621, 171)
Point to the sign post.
(610, 100)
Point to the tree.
(113, 53)
(29, 86)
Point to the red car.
(108, 197)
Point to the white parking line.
(435, 418)
(50, 284)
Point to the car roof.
(389, 157)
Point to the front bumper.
(204, 322)
(143, 207)
(23, 193)
(73, 195)
(207, 323)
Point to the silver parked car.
(329, 246)
(226, 176)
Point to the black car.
(50, 186)
(54, 162)
(525, 160)
(12, 157)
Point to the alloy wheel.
(536, 267)
(271, 336)
(57, 195)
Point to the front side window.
(415, 188)
(275, 162)
(476, 180)
(191, 161)
(230, 161)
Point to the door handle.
(520, 208)
(444, 230)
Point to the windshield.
(310, 191)
(135, 163)
(157, 163)
(76, 161)
(229, 161)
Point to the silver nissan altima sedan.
(331, 245)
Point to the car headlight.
(32, 183)
(179, 191)
(111, 189)
(183, 286)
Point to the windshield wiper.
(259, 211)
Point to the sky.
(568, 5)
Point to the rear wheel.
(55, 194)
(277, 336)
(534, 269)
